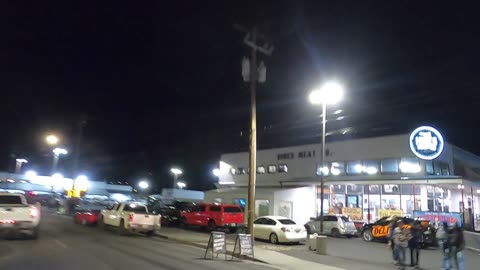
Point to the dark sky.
(158, 82)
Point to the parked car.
(380, 230)
(86, 216)
(278, 230)
(171, 214)
(16, 216)
(130, 217)
(213, 216)
(333, 225)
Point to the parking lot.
(345, 253)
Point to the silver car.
(333, 225)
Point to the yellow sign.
(387, 212)
(354, 213)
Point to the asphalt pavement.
(63, 245)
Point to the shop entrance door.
(352, 201)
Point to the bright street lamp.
(52, 139)
(143, 184)
(57, 152)
(216, 172)
(181, 185)
(330, 93)
(18, 165)
(176, 172)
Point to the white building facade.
(368, 178)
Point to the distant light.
(132, 205)
(52, 139)
(21, 160)
(329, 93)
(227, 183)
(358, 168)
(478, 191)
(81, 182)
(57, 176)
(176, 171)
(340, 118)
(216, 172)
(461, 186)
(408, 167)
(337, 112)
(181, 185)
(371, 170)
(119, 197)
(143, 184)
(30, 174)
(10, 181)
(60, 151)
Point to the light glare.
(176, 171)
(52, 139)
(143, 184)
(329, 93)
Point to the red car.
(86, 217)
(213, 216)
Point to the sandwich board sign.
(244, 244)
(217, 244)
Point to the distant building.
(375, 176)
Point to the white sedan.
(278, 230)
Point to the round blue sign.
(426, 143)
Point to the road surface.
(63, 245)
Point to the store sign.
(426, 143)
(355, 213)
(390, 212)
(301, 154)
(436, 217)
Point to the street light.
(330, 93)
(143, 184)
(30, 174)
(176, 172)
(19, 162)
(181, 185)
(216, 172)
(57, 152)
(52, 139)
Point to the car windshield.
(287, 221)
(135, 208)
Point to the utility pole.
(253, 74)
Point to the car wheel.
(335, 232)
(150, 233)
(211, 225)
(183, 223)
(35, 233)
(367, 235)
(274, 238)
(309, 230)
(122, 229)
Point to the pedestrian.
(391, 242)
(457, 243)
(443, 242)
(414, 244)
(401, 237)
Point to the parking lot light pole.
(329, 93)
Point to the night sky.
(158, 83)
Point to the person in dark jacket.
(443, 234)
(457, 244)
(391, 229)
(414, 244)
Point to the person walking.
(414, 244)
(391, 242)
(457, 244)
(443, 242)
(401, 237)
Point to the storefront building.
(416, 175)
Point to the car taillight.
(285, 229)
(130, 217)
(33, 212)
(31, 193)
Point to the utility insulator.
(246, 69)
(262, 73)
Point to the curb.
(162, 236)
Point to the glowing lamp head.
(176, 171)
(330, 93)
(143, 184)
(52, 139)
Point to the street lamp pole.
(176, 172)
(322, 163)
(56, 155)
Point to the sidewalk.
(271, 257)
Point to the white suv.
(333, 225)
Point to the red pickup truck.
(213, 216)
